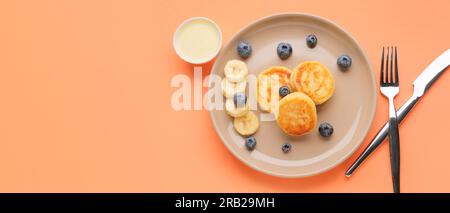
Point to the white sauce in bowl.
(197, 40)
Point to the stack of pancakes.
(311, 84)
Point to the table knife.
(421, 85)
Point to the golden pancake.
(313, 79)
(297, 114)
(269, 82)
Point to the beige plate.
(350, 110)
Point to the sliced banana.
(247, 124)
(234, 111)
(229, 88)
(236, 70)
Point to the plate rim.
(372, 113)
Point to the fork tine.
(391, 70)
(386, 71)
(397, 82)
(382, 68)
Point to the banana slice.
(236, 71)
(234, 111)
(229, 88)
(313, 79)
(247, 124)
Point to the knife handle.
(382, 134)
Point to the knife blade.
(422, 83)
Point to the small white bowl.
(191, 60)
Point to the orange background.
(85, 98)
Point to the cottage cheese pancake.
(297, 114)
(313, 79)
(269, 83)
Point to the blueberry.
(344, 62)
(311, 41)
(284, 90)
(284, 50)
(244, 49)
(239, 99)
(325, 129)
(250, 143)
(286, 147)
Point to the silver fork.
(389, 86)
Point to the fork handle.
(382, 134)
(394, 146)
